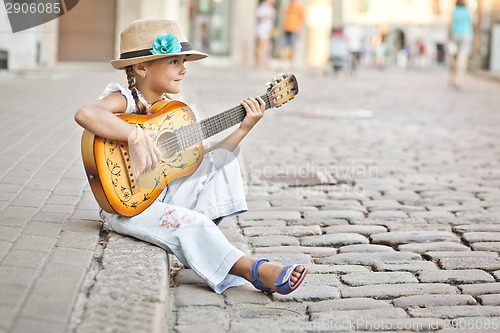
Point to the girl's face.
(165, 75)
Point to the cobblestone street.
(386, 184)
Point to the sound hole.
(168, 145)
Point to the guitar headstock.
(282, 89)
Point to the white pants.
(180, 220)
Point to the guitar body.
(110, 173)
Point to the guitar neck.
(194, 133)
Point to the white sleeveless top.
(113, 87)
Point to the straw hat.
(146, 40)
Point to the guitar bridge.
(132, 179)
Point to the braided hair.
(131, 86)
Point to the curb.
(126, 288)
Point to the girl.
(183, 220)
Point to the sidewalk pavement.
(386, 184)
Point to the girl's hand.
(144, 154)
(255, 108)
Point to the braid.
(131, 86)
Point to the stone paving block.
(316, 252)
(388, 291)
(322, 280)
(486, 246)
(480, 227)
(201, 316)
(261, 223)
(404, 237)
(417, 225)
(359, 315)
(375, 278)
(23, 258)
(436, 255)
(456, 311)
(347, 304)
(13, 294)
(485, 263)
(365, 248)
(336, 269)
(8, 314)
(297, 231)
(24, 325)
(407, 196)
(422, 301)
(380, 203)
(10, 234)
(50, 297)
(21, 276)
(57, 208)
(332, 240)
(309, 293)
(35, 243)
(5, 248)
(473, 237)
(437, 246)
(271, 215)
(71, 200)
(432, 214)
(52, 217)
(492, 299)
(207, 327)
(78, 240)
(388, 214)
(196, 295)
(86, 214)
(233, 234)
(334, 214)
(480, 288)
(367, 258)
(186, 276)
(278, 240)
(258, 204)
(245, 294)
(318, 221)
(364, 230)
(286, 258)
(456, 276)
(44, 229)
(356, 208)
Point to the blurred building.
(225, 28)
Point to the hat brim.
(123, 63)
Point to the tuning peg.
(269, 84)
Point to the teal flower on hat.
(166, 44)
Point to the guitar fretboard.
(194, 133)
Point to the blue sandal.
(282, 282)
(255, 276)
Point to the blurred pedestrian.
(354, 35)
(183, 219)
(380, 49)
(292, 24)
(461, 36)
(339, 53)
(265, 15)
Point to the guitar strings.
(187, 134)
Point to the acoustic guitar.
(118, 190)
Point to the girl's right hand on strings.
(144, 154)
